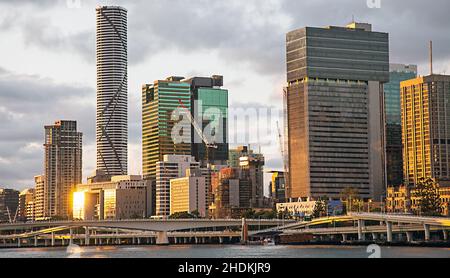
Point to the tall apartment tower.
(40, 202)
(394, 149)
(171, 167)
(335, 110)
(63, 167)
(425, 104)
(159, 101)
(112, 90)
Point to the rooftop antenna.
(353, 18)
(431, 57)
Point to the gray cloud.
(248, 33)
(27, 103)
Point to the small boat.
(269, 242)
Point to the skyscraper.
(210, 107)
(112, 90)
(394, 153)
(159, 101)
(63, 168)
(425, 103)
(334, 110)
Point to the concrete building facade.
(334, 110)
(40, 202)
(425, 106)
(171, 167)
(402, 199)
(189, 194)
(26, 205)
(63, 168)
(124, 197)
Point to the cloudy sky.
(47, 59)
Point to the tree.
(248, 214)
(428, 197)
(182, 215)
(320, 208)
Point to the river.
(225, 251)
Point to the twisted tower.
(112, 90)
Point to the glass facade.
(211, 107)
(159, 101)
(394, 156)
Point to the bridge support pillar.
(344, 237)
(19, 242)
(389, 231)
(162, 238)
(53, 239)
(139, 241)
(361, 235)
(87, 237)
(244, 231)
(375, 236)
(35, 241)
(427, 232)
(409, 237)
(445, 235)
(71, 236)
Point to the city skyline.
(48, 82)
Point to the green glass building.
(159, 101)
(394, 154)
(210, 107)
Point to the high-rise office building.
(159, 101)
(425, 104)
(63, 167)
(394, 153)
(9, 203)
(171, 167)
(209, 106)
(334, 110)
(112, 90)
(26, 205)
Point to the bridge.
(133, 231)
(377, 226)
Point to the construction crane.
(283, 154)
(199, 131)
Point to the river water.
(227, 251)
